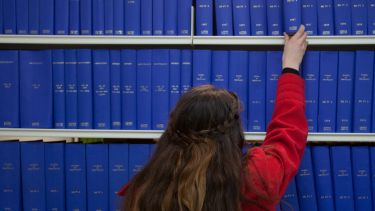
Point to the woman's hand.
(294, 48)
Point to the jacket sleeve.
(271, 166)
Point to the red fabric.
(273, 164)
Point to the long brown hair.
(197, 163)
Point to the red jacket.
(273, 164)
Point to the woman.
(197, 165)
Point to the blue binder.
(33, 176)
(310, 72)
(115, 89)
(58, 72)
(184, 17)
(9, 16)
(132, 17)
(102, 97)
(343, 25)
(118, 173)
(201, 67)
(290, 198)
(238, 80)
(98, 17)
(138, 157)
(257, 91)
(9, 89)
(144, 87)
(55, 175)
(46, 20)
(84, 82)
(36, 89)
(342, 177)
(327, 91)
(292, 15)
(71, 95)
(109, 17)
(146, 17)
(361, 177)
(273, 71)
(241, 17)
(160, 88)
(345, 91)
(10, 176)
(258, 16)
(158, 17)
(118, 17)
(75, 174)
(34, 16)
(86, 17)
(371, 17)
(22, 12)
(363, 86)
(204, 17)
(305, 183)
(325, 17)
(61, 17)
(170, 17)
(220, 69)
(97, 170)
(323, 177)
(128, 89)
(274, 17)
(223, 12)
(174, 77)
(186, 70)
(74, 17)
(310, 16)
(359, 17)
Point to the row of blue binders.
(136, 89)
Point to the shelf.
(155, 134)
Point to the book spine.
(359, 17)
(186, 70)
(343, 25)
(309, 16)
(61, 12)
(223, 12)
(46, 22)
(144, 87)
(132, 17)
(9, 16)
(325, 17)
(108, 17)
(74, 17)
(290, 198)
(158, 17)
(71, 94)
(371, 17)
(241, 17)
(272, 76)
(204, 17)
(146, 17)
(184, 17)
(174, 77)
(170, 17)
(274, 17)
(84, 83)
(292, 15)
(201, 67)
(138, 157)
(115, 89)
(258, 16)
(118, 17)
(98, 17)
(58, 63)
(85, 17)
(372, 163)
(22, 12)
(129, 89)
(220, 69)
(34, 16)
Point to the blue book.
(98, 17)
(345, 91)
(257, 91)
(273, 71)
(58, 72)
(204, 17)
(146, 17)
(174, 77)
(118, 173)
(220, 69)
(160, 88)
(118, 17)
(33, 176)
(75, 176)
(186, 70)
(238, 80)
(170, 17)
(183, 17)
(325, 17)
(132, 17)
(84, 83)
(152, 149)
(10, 176)
(36, 109)
(115, 89)
(55, 175)
(1, 20)
(9, 16)
(305, 183)
(86, 17)
(74, 17)
(309, 16)
(371, 17)
(292, 15)
(241, 17)
(129, 89)
(22, 12)
(372, 160)
(71, 95)
(102, 97)
(327, 91)
(361, 177)
(34, 16)
(46, 20)
(62, 17)
(201, 67)
(97, 170)
(144, 87)
(290, 198)
(342, 177)
(359, 17)
(274, 17)
(138, 157)
(364, 68)
(9, 89)
(158, 17)
(323, 177)
(109, 16)
(258, 16)
(310, 72)
(343, 25)
(223, 12)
